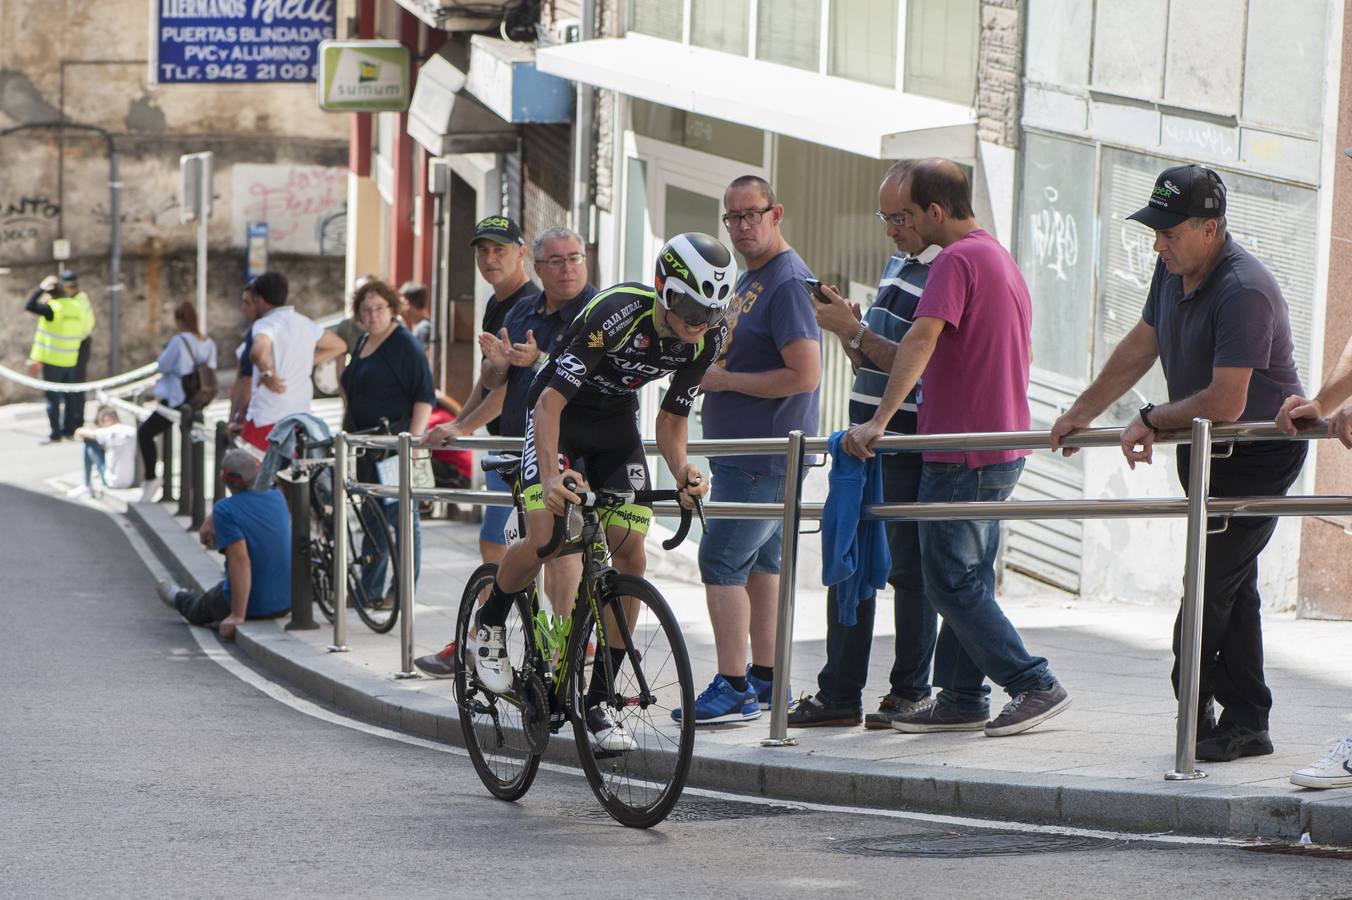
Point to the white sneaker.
(79, 491)
(1333, 769)
(149, 488)
(610, 736)
(489, 649)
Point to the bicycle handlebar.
(594, 499)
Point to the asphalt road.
(132, 763)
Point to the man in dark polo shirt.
(1216, 320)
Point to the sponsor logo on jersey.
(628, 310)
(596, 340)
(642, 342)
(570, 363)
(637, 474)
(628, 365)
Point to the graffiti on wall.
(25, 219)
(305, 207)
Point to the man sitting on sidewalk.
(253, 531)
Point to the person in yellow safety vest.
(61, 347)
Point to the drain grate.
(702, 809)
(1315, 851)
(980, 843)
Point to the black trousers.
(1232, 627)
(154, 425)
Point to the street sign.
(60, 249)
(363, 76)
(256, 251)
(194, 186)
(238, 41)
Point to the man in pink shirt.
(970, 340)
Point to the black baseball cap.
(1182, 193)
(499, 229)
(68, 276)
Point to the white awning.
(836, 112)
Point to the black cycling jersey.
(612, 349)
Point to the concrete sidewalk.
(1099, 765)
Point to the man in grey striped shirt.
(870, 339)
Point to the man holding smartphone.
(870, 340)
(764, 385)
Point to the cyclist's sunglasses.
(693, 312)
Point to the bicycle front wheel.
(321, 543)
(635, 753)
(375, 566)
(494, 726)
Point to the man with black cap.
(61, 346)
(1216, 320)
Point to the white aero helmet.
(694, 278)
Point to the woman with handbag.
(181, 356)
(388, 380)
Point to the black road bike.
(507, 733)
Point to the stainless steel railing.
(1196, 507)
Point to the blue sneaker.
(721, 702)
(764, 690)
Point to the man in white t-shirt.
(286, 348)
(110, 447)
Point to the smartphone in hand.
(814, 287)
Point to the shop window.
(657, 18)
(941, 48)
(1056, 250)
(1058, 42)
(1129, 47)
(721, 25)
(686, 129)
(863, 41)
(1203, 64)
(789, 32)
(1284, 64)
(636, 227)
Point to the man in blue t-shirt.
(870, 339)
(765, 385)
(252, 529)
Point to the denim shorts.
(495, 517)
(732, 549)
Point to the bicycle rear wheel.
(638, 786)
(321, 543)
(372, 549)
(494, 726)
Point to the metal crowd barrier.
(1196, 507)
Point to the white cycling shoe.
(489, 649)
(610, 736)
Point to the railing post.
(185, 460)
(222, 445)
(199, 481)
(302, 593)
(1194, 574)
(407, 510)
(788, 571)
(339, 530)
(166, 465)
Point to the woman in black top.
(387, 378)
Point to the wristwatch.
(1145, 416)
(858, 335)
(264, 375)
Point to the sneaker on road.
(931, 715)
(1029, 709)
(490, 658)
(765, 690)
(1332, 770)
(610, 736)
(169, 593)
(888, 710)
(1230, 742)
(721, 702)
(813, 712)
(442, 664)
(79, 491)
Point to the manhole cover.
(983, 843)
(701, 809)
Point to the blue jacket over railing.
(855, 555)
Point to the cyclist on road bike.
(584, 428)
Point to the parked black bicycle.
(636, 755)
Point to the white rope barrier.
(150, 369)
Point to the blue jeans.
(373, 575)
(63, 424)
(732, 549)
(94, 456)
(845, 674)
(958, 559)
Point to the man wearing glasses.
(764, 385)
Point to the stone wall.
(1000, 72)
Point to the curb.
(1192, 808)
